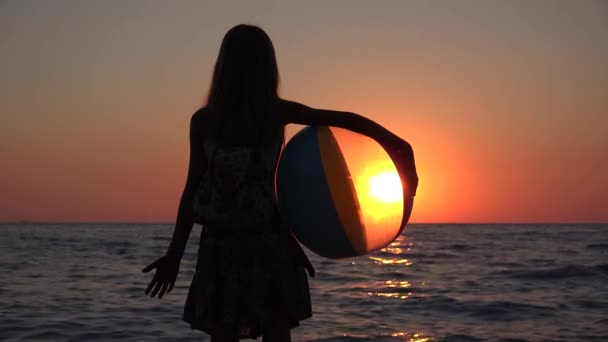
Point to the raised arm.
(399, 149)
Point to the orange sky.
(505, 104)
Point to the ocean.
(83, 282)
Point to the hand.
(166, 273)
(403, 155)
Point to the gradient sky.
(504, 102)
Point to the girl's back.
(237, 187)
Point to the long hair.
(244, 88)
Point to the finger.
(156, 288)
(150, 267)
(163, 289)
(171, 286)
(152, 283)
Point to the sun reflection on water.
(396, 283)
(392, 250)
(416, 337)
(392, 289)
(403, 336)
(391, 294)
(387, 261)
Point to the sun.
(386, 187)
(380, 193)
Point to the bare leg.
(276, 332)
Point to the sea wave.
(487, 311)
(460, 247)
(461, 338)
(437, 283)
(561, 272)
(598, 246)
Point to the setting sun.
(377, 186)
(386, 187)
(380, 197)
(379, 191)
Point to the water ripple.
(435, 283)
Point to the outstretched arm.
(167, 266)
(399, 149)
(297, 113)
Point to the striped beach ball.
(340, 192)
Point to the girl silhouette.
(250, 279)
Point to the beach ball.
(340, 192)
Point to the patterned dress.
(247, 278)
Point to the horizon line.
(409, 223)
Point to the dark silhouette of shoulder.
(198, 120)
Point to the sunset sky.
(504, 102)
